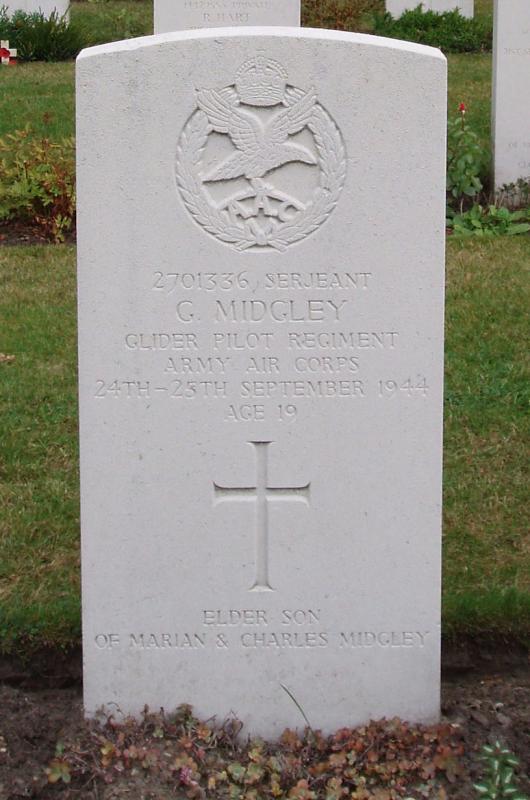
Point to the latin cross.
(262, 494)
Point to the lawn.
(486, 546)
(39, 95)
(39, 517)
(486, 538)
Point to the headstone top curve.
(273, 32)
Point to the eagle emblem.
(273, 172)
(261, 146)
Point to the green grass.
(39, 95)
(39, 526)
(119, 19)
(486, 545)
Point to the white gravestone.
(511, 91)
(260, 297)
(178, 15)
(46, 7)
(398, 7)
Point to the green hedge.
(41, 38)
(449, 31)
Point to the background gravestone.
(511, 91)
(30, 6)
(175, 15)
(261, 324)
(397, 7)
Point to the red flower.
(4, 53)
(462, 108)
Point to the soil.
(486, 696)
(16, 232)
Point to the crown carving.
(261, 82)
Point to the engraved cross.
(262, 494)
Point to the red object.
(4, 53)
(462, 108)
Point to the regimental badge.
(260, 164)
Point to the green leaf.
(254, 774)
(514, 230)
(237, 771)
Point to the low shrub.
(449, 31)
(37, 183)
(341, 15)
(41, 38)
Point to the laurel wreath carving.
(331, 160)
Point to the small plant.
(41, 38)
(449, 31)
(464, 160)
(499, 781)
(37, 183)
(58, 770)
(490, 221)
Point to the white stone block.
(398, 7)
(45, 6)
(179, 15)
(511, 91)
(261, 273)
